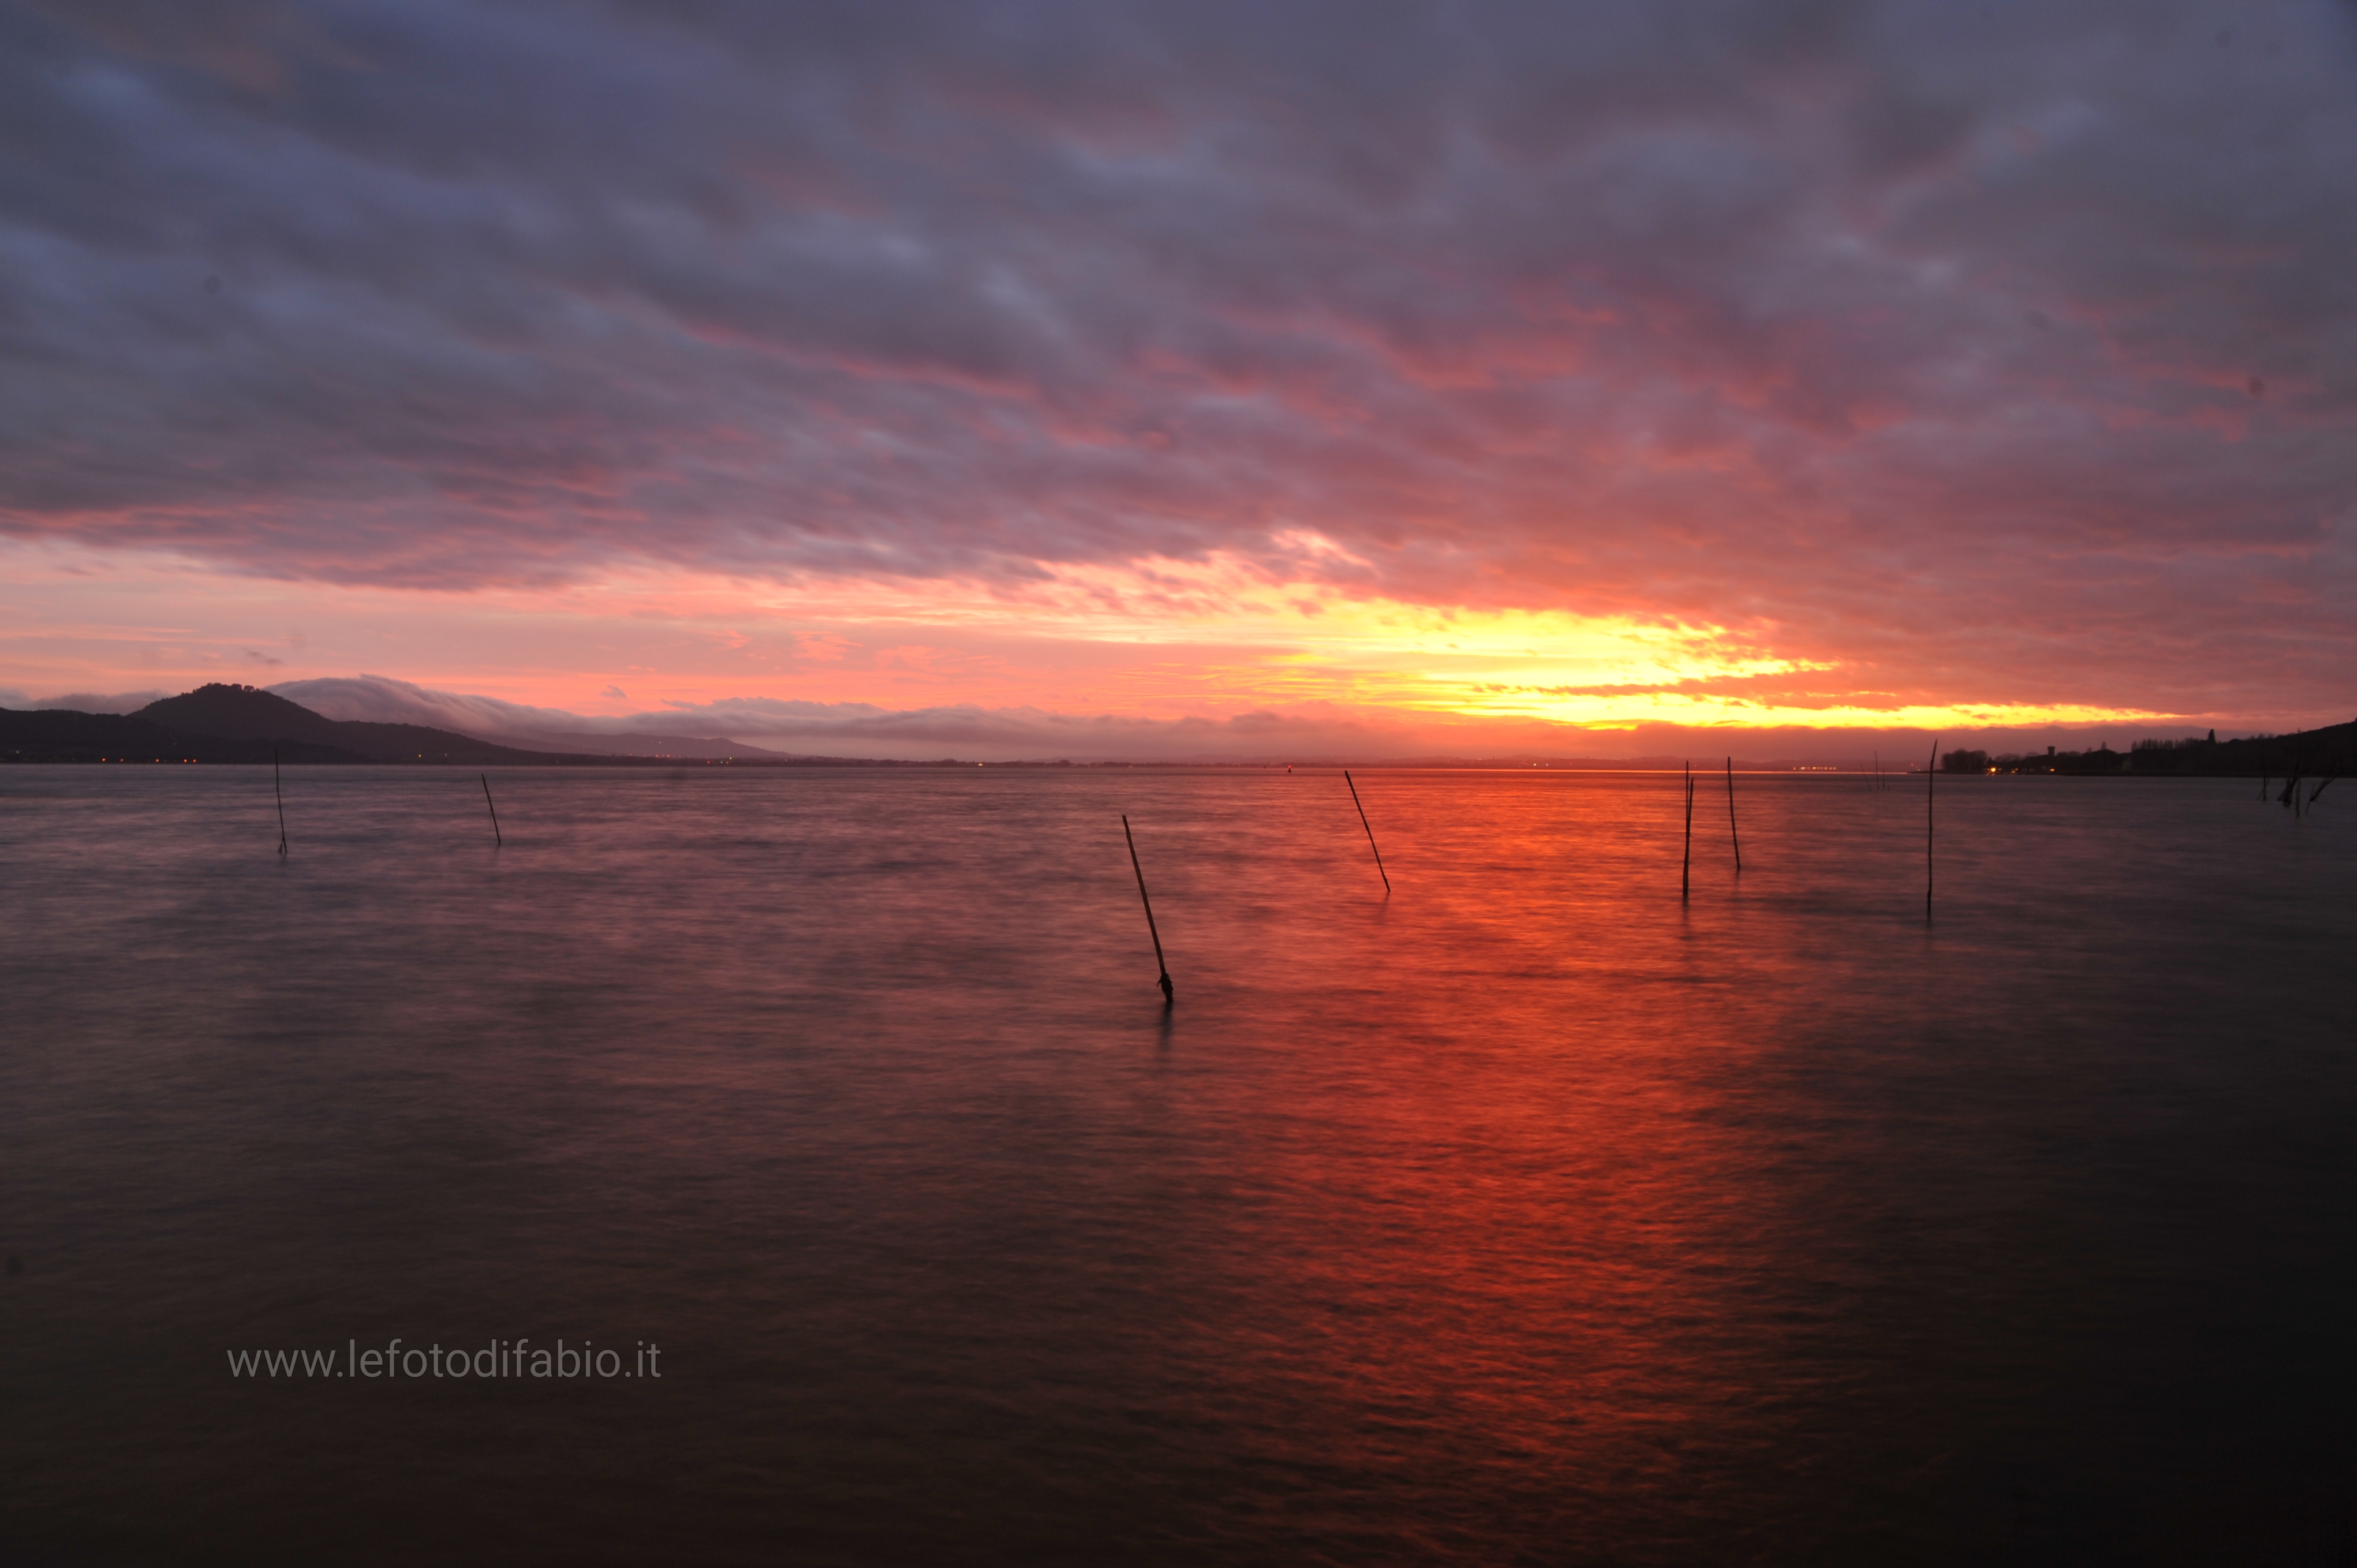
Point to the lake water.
(1524, 1215)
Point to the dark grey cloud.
(2020, 344)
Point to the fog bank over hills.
(83, 702)
(379, 698)
(754, 726)
(760, 727)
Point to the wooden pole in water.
(1731, 817)
(1686, 871)
(1930, 793)
(498, 842)
(1168, 996)
(279, 791)
(1370, 831)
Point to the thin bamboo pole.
(1731, 817)
(1370, 831)
(1169, 994)
(1930, 794)
(1686, 871)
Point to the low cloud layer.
(863, 729)
(1301, 732)
(2010, 351)
(83, 702)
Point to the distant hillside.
(60, 734)
(242, 723)
(239, 723)
(241, 712)
(244, 712)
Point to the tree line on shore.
(2331, 750)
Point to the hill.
(243, 724)
(58, 735)
(244, 712)
(240, 724)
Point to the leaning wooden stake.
(497, 841)
(1731, 817)
(1168, 996)
(1371, 833)
(1930, 793)
(1686, 871)
(279, 791)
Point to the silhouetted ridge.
(221, 723)
(238, 723)
(242, 712)
(60, 734)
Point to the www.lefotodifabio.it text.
(500, 1359)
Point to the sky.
(1220, 379)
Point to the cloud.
(1300, 732)
(861, 729)
(1921, 335)
(84, 702)
(379, 698)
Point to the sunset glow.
(1161, 781)
(1166, 641)
(1587, 380)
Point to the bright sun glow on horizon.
(1168, 638)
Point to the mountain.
(61, 735)
(243, 724)
(247, 713)
(239, 713)
(240, 724)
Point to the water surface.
(1526, 1214)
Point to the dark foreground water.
(1524, 1216)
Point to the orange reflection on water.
(1529, 1213)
